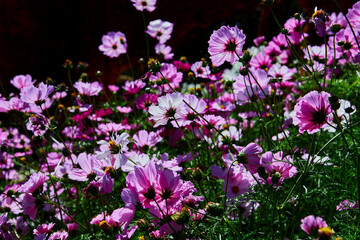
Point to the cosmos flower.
(200, 70)
(142, 5)
(37, 95)
(161, 30)
(21, 81)
(225, 44)
(168, 108)
(312, 112)
(164, 51)
(113, 44)
(88, 89)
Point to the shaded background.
(38, 35)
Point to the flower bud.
(154, 65)
(214, 209)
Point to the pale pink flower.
(164, 51)
(146, 139)
(36, 181)
(200, 70)
(225, 44)
(172, 77)
(89, 168)
(113, 44)
(21, 81)
(36, 95)
(191, 110)
(161, 30)
(142, 5)
(168, 108)
(88, 89)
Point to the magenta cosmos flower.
(113, 44)
(142, 5)
(225, 44)
(312, 112)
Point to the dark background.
(38, 35)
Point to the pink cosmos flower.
(142, 5)
(237, 180)
(353, 15)
(36, 181)
(37, 95)
(113, 44)
(89, 168)
(144, 180)
(29, 206)
(172, 76)
(200, 70)
(161, 30)
(311, 225)
(294, 27)
(278, 167)
(145, 100)
(346, 43)
(182, 65)
(281, 72)
(167, 109)
(13, 104)
(225, 44)
(249, 156)
(21, 81)
(164, 51)
(113, 88)
(38, 124)
(272, 50)
(124, 109)
(144, 139)
(246, 87)
(61, 234)
(190, 112)
(132, 87)
(43, 228)
(261, 60)
(316, 52)
(169, 187)
(88, 89)
(259, 40)
(312, 112)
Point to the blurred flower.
(161, 30)
(113, 44)
(142, 5)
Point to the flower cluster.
(190, 150)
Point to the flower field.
(259, 139)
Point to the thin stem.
(146, 37)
